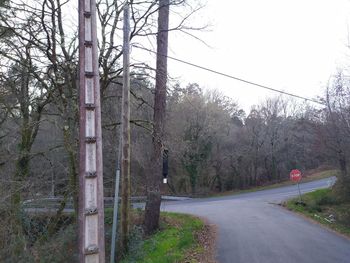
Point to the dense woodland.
(213, 144)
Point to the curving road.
(252, 228)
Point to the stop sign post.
(295, 176)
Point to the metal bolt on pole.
(91, 207)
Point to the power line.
(233, 77)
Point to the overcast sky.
(293, 45)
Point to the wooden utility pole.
(125, 129)
(152, 209)
(91, 208)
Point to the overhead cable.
(233, 77)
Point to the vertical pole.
(91, 207)
(116, 202)
(125, 129)
(115, 214)
(299, 193)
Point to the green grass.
(174, 242)
(322, 205)
(170, 244)
(309, 178)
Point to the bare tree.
(338, 129)
(24, 103)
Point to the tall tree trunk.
(28, 128)
(18, 240)
(22, 165)
(152, 210)
(67, 102)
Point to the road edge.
(313, 221)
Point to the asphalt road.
(252, 228)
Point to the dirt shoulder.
(205, 251)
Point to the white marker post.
(295, 176)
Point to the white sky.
(293, 45)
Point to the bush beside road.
(324, 207)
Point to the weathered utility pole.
(124, 143)
(152, 209)
(125, 130)
(91, 208)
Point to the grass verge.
(325, 208)
(309, 178)
(181, 238)
(175, 240)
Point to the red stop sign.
(295, 175)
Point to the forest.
(213, 144)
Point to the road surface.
(252, 228)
